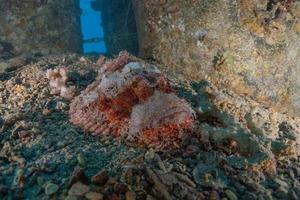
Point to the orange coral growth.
(132, 101)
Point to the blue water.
(91, 29)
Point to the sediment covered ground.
(239, 148)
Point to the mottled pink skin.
(58, 79)
(134, 102)
(116, 64)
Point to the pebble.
(293, 195)
(231, 195)
(100, 178)
(46, 112)
(3, 67)
(297, 27)
(70, 197)
(190, 149)
(120, 188)
(129, 175)
(281, 183)
(17, 194)
(79, 189)
(51, 188)
(3, 190)
(82, 59)
(149, 197)
(214, 196)
(16, 63)
(40, 180)
(78, 175)
(19, 178)
(149, 155)
(281, 192)
(130, 195)
(249, 195)
(81, 160)
(94, 196)
(114, 197)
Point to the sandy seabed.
(238, 150)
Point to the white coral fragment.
(57, 81)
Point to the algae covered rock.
(250, 47)
(39, 27)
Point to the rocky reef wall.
(251, 47)
(39, 26)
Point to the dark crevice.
(119, 25)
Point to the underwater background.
(108, 26)
(149, 99)
(92, 30)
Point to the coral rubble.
(239, 149)
(58, 79)
(134, 101)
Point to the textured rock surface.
(250, 47)
(39, 26)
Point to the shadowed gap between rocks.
(119, 26)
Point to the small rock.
(79, 189)
(149, 197)
(297, 27)
(129, 176)
(111, 181)
(172, 8)
(162, 2)
(82, 59)
(17, 193)
(94, 196)
(46, 112)
(78, 175)
(19, 179)
(100, 178)
(190, 150)
(149, 155)
(201, 195)
(249, 195)
(81, 160)
(1, 48)
(130, 195)
(3, 67)
(293, 195)
(281, 183)
(1, 124)
(51, 188)
(281, 192)
(114, 197)
(231, 195)
(70, 197)
(214, 195)
(15, 63)
(120, 188)
(3, 190)
(40, 180)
